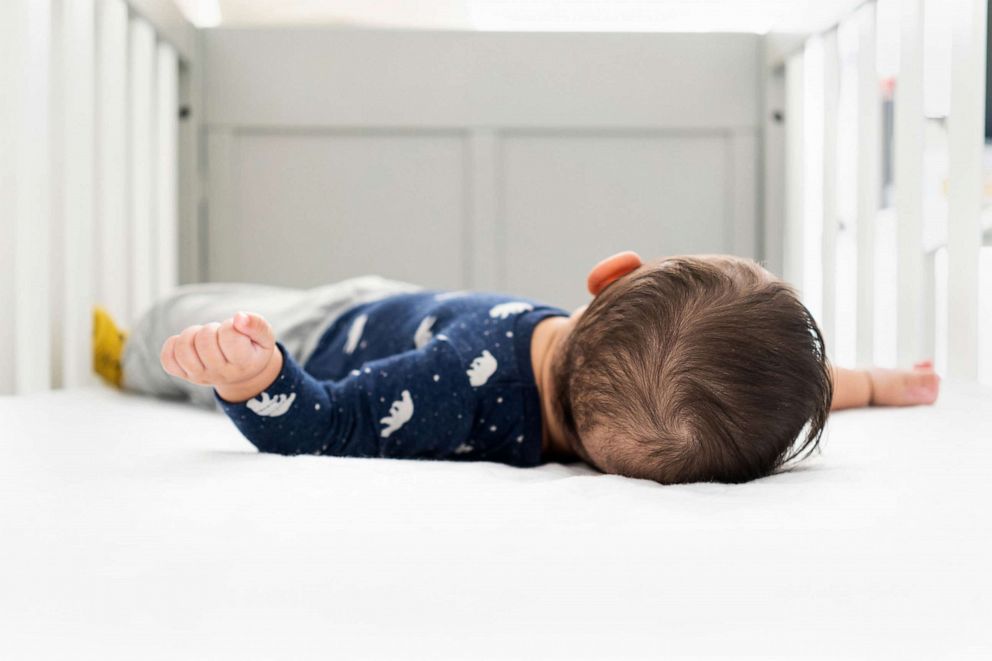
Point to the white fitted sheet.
(138, 528)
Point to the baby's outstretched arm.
(237, 357)
(268, 396)
(885, 387)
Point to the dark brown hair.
(695, 369)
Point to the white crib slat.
(985, 315)
(141, 94)
(869, 147)
(928, 342)
(828, 246)
(78, 196)
(966, 139)
(9, 52)
(885, 322)
(166, 169)
(940, 309)
(909, 145)
(31, 222)
(111, 147)
(792, 243)
(845, 276)
(56, 187)
(812, 223)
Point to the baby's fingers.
(208, 349)
(235, 345)
(256, 327)
(187, 357)
(168, 358)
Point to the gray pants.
(299, 318)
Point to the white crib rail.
(112, 152)
(909, 182)
(830, 213)
(89, 194)
(966, 135)
(909, 312)
(868, 175)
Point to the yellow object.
(108, 347)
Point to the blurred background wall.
(509, 161)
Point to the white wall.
(487, 160)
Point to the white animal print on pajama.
(423, 333)
(355, 333)
(483, 367)
(271, 407)
(399, 414)
(504, 310)
(438, 375)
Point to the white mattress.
(135, 528)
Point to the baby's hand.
(237, 357)
(919, 385)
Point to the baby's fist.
(221, 354)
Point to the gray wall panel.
(493, 161)
(326, 77)
(569, 200)
(309, 208)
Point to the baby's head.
(702, 368)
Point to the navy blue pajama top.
(432, 375)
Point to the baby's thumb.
(255, 327)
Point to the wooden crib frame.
(104, 164)
(915, 313)
(126, 70)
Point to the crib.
(147, 153)
(869, 201)
(103, 168)
(885, 222)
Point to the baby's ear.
(611, 269)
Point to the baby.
(698, 368)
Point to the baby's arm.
(885, 387)
(237, 357)
(266, 394)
